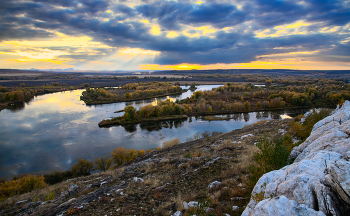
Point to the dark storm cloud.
(170, 14)
(86, 17)
(235, 53)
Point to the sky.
(175, 35)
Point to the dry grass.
(260, 122)
(168, 144)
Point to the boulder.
(318, 182)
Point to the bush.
(168, 144)
(122, 155)
(103, 163)
(273, 155)
(302, 130)
(82, 168)
(20, 185)
(57, 176)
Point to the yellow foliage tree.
(21, 185)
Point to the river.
(52, 131)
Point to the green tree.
(131, 111)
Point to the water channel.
(52, 131)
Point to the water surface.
(52, 131)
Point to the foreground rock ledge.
(318, 182)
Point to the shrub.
(57, 176)
(273, 155)
(82, 168)
(168, 144)
(20, 185)
(302, 130)
(103, 163)
(122, 155)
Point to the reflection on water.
(157, 126)
(52, 131)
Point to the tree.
(119, 155)
(246, 106)
(128, 95)
(258, 105)
(103, 163)
(82, 168)
(131, 111)
(193, 86)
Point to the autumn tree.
(258, 105)
(246, 106)
(82, 168)
(103, 163)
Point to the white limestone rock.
(193, 204)
(178, 213)
(185, 205)
(318, 182)
(138, 180)
(214, 185)
(235, 208)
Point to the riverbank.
(128, 100)
(37, 91)
(120, 120)
(160, 182)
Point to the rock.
(238, 198)
(184, 203)
(318, 182)
(138, 180)
(214, 185)
(21, 202)
(283, 206)
(248, 135)
(178, 213)
(235, 208)
(31, 205)
(164, 160)
(207, 209)
(193, 204)
(240, 185)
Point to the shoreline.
(106, 123)
(4, 105)
(101, 103)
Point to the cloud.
(183, 31)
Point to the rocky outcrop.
(318, 182)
